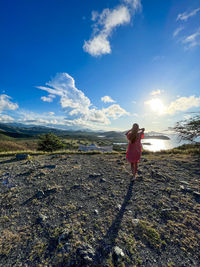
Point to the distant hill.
(16, 130)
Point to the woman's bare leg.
(135, 168)
(132, 168)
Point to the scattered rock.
(119, 206)
(118, 252)
(186, 189)
(135, 221)
(76, 186)
(96, 212)
(102, 180)
(95, 175)
(22, 156)
(197, 196)
(184, 182)
(119, 162)
(50, 166)
(86, 253)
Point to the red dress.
(134, 150)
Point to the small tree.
(49, 142)
(188, 129)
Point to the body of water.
(159, 144)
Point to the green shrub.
(49, 142)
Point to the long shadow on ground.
(8, 161)
(107, 243)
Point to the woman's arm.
(127, 132)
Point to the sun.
(156, 105)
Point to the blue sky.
(101, 65)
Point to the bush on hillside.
(188, 129)
(49, 142)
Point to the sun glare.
(156, 105)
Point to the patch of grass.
(193, 149)
(38, 251)
(146, 232)
(65, 152)
(8, 241)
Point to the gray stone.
(186, 189)
(196, 194)
(22, 156)
(119, 206)
(96, 212)
(118, 252)
(184, 182)
(102, 180)
(95, 175)
(50, 166)
(76, 186)
(86, 253)
(135, 221)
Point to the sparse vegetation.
(188, 129)
(51, 206)
(49, 142)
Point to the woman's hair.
(134, 131)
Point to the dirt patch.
(84, 210)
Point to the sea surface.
(159, 144)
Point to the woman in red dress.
(134, 150)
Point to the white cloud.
(63, 85)
(134, 102)
(98, 45)
(177, 31)
(136, 4)
(5, 118)
(49, 98)
(156, 92)
(77, 105)
(180, 104)
(192, 40)
(183, 104)
(115, 111)
(107, 99)
(186, 15)
(6, 104)
(105, 23)
(51, 113)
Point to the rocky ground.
(84, 210)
